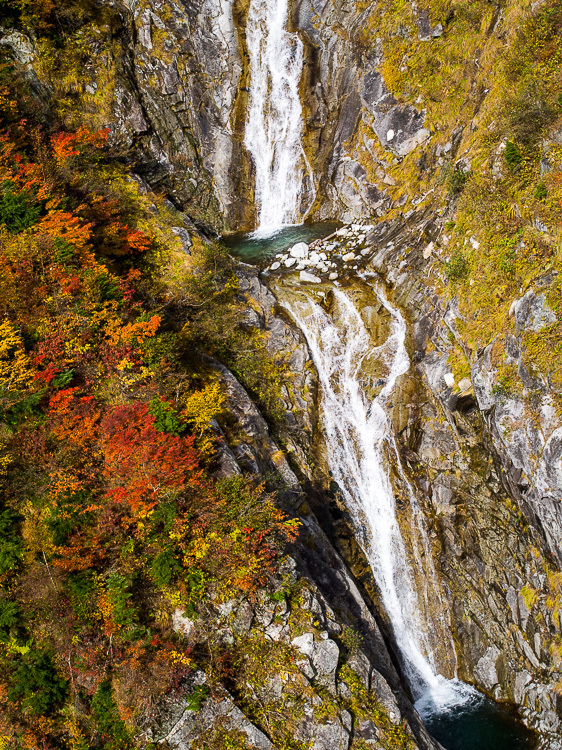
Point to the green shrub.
(68, 516)
(11, 545)
(457, 180)
(507, 260)
(26, 407)
(18, 211)
(35, 683)
(197, 698)
(351, 639)
(123, 611)
(457, 267)
(165, 416)
(503, 388)
(63, 379)
(104, 710)
(164, 567)
(540, 191)
(512, 155)
(108, 287)
(10, 617)
(81, 589)
(64, 252)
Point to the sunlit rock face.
(345, 98)
(187, 109)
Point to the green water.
(478, 724)
(257, 249)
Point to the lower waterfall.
(360, 446)
(274, 121)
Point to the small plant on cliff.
(502, 390)
(541, 193)
(457, 267)
(351, 639)
(513, 155)
(456, 180)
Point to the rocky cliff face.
(493, 536)
(171, 81)
(178, 77)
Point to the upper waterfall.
(274, 121)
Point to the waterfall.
(274, 121)
(359, 446)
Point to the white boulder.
(310, 278)
(300, 250)
(449, 379)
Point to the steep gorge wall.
(171, 81)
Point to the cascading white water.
(359, 444)
(357, 433)
(274, 123)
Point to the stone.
(330, 736)
(21, 46)
(277, 631)
(442, 497)
(290, 262)
(522, 679)
(465, 384)
(325, 655)
(428, 250)
(195, 724)
(185, 239)
(485, 671)
(348, 257)
(390, 135)
(449, 379)
(275, 266)
(181, 623)
(304, 643)
(309, 278)
(300, 250)
(243, 618)
(532, 312)
(333, 276)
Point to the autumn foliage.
(108, 519)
